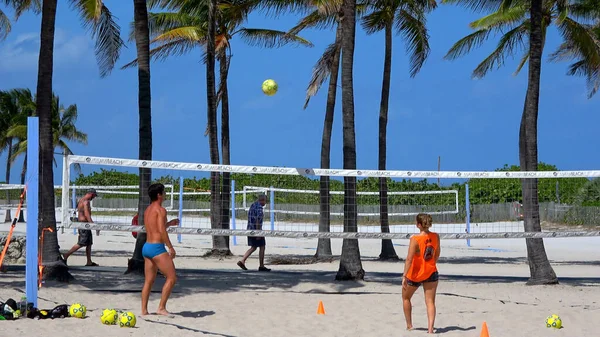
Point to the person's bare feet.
(409, 327)
(145, 313)
(430, 331)
(163, 312)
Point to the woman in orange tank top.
(420, 268)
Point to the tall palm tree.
(350, 263)
(9, 110)
(408, 17)
(19, 6)
(179, 32)
(529, 20)
(142, 43)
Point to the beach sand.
(484, 282)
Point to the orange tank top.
(423, 264)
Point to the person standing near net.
(255, 222)
(85, 238)
(420, 268)
(155, 255)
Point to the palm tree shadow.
(193, 314)
(448, 329)
(181, 327)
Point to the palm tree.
(63, 127)
(20, 6)
(350, 263)
(9, 110)
(142, 42)
(408, 17)
(179, 32)
(521, 20)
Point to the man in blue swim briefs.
(155, 255)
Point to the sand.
(484, 282)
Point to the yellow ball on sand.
(109, 317)
(554, 322)
(77, 310)
(269, 87)
(127, 320)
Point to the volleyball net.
(464, 205)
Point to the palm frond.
(501, 19)
(581, 42)
(189, 33)
(107, 34)
(522, 63)
(23, 6)
(18, 149)
(322, 71)
(507, 46)
(166, 50)
(377, 20)
(416, 36)
(269, 38)
(5, 25)
(315, 20)
(467, 43)
(477, 5)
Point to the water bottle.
(23, 306)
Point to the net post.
(180, 216)
(244, 197)
(172, 197)
(233, 210)
(31, 246)
(272, 207)
(74, 203)
(64, 200)
(468, 209)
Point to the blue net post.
(180, 216)
(272, 208)
(233, 210)
(74, 202)
(468, 209)
(31, 246)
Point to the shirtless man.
(85, 239)
(155, 255)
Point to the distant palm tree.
(520, 21)
(350, 264)
(179, 32)
(408, 17)
(19, 6)
(63, 127)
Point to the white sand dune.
(484, 282)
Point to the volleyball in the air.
(127, 320)
(109, 317)
(269, 87)
(553, 321)
(77, 310)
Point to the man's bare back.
(155, 219)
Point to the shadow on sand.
(448, 329)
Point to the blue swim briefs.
(151, 250)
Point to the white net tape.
(293, 209)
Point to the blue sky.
(471, 124)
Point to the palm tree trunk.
(23, 176)
(387, 247)
(142, 43)
(7, 218)
(324, 245)
(223, 241)
(54, 269)
(350, 263)
(541, 271)
(213, 143)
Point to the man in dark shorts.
(255, 222)
(85, 239)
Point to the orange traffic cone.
(321, 309)
(484, 330)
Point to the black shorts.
(434, 277)
(85, 238)
(256, 241)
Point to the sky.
(471, 124)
